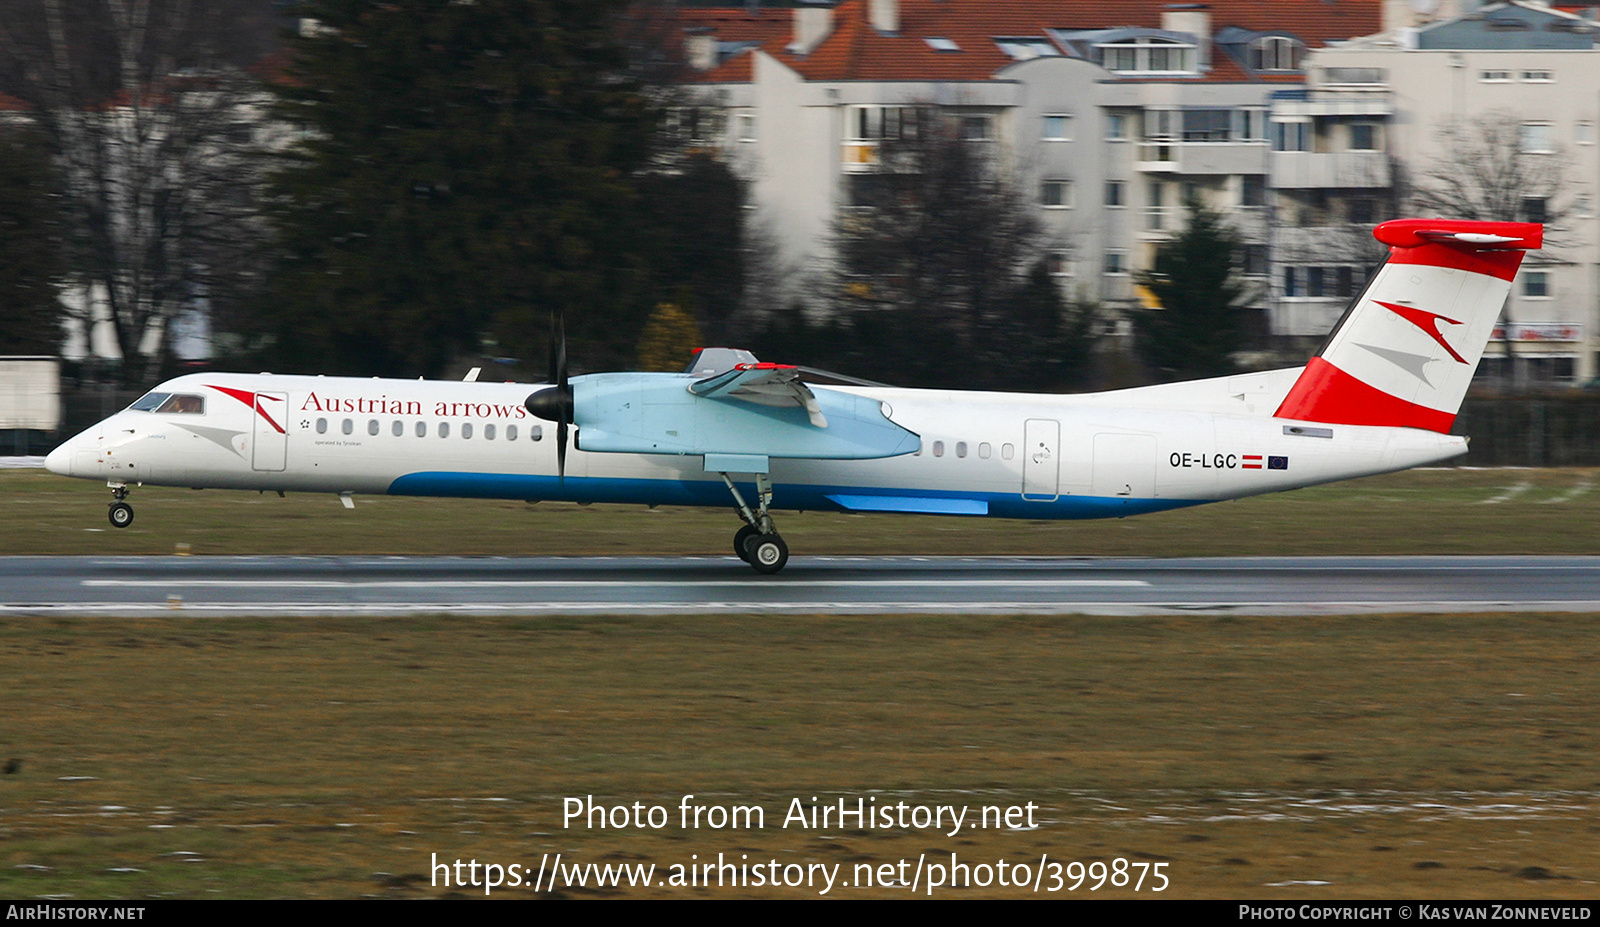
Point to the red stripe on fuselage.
(1324, 393)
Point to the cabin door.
(270, 444)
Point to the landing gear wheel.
(121, 514)
(742, 540)
(767, 553)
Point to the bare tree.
(155, 127)
(1500, 167)
(1496, 167)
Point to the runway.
(317, 586)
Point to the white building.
(1108, 115)
(1444, 92)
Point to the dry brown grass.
(1414, 756)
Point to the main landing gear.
(758, 543)
(120, 513)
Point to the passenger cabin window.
(422, 429)
(322, 426)
(488, 432)
(466, 430)
(347, 426)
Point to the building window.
(1059, 263)
(1495, 77)
(1207, 125)
(872, 123)
(1363, 136)
(1276, 53)
(1536, 284)
(1538, 77)
(1363, 210)
(1535, 209)
(1255, 260)
(1116, 262)
(1250, 124)
(974, 128)
(1148, 53)
(1583, 132)
(1116, 127)
(1536, 138)
(1291, 136)
(1027, 48)
(1055, 194)
(1252, 190)
(747, 127)
(1116, 193)
(1057, 128)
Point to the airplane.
(1380, 396)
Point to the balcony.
(1179, 157)
(860, 157)
(1303, 170)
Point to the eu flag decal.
(1277, 463)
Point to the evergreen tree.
(465, 171)
(1200, 322)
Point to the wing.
(763, 384)
(760, 410)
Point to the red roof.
(857, 51)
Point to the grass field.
(1427, 511)
(1446, 756)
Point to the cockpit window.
(149, 401)
(186, 403)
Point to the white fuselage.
(999, 454)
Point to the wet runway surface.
(859, 585)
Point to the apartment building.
(1106, 115)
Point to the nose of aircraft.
(60, 460)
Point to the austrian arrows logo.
(1427, 321)
(259, 402)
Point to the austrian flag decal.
(1253, 462)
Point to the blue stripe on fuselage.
(789, 496)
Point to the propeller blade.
(554, 403)
(561, 450)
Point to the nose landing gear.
(120, 513)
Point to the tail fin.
(1405, 352)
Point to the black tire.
(742, 540)
(120, 514)
(768, 553)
